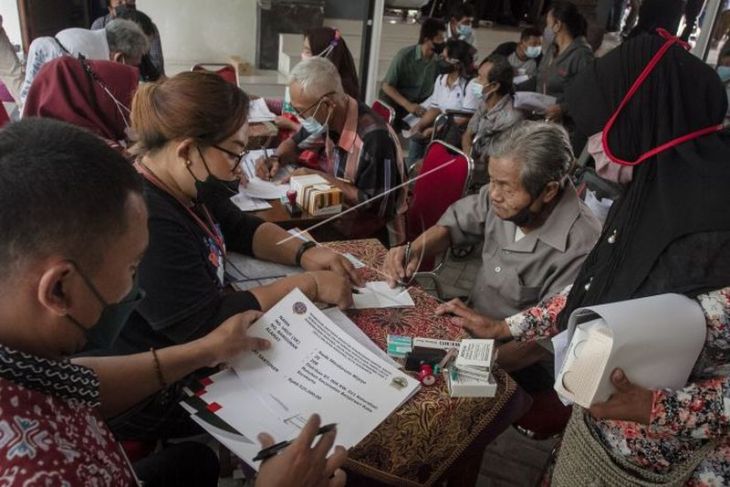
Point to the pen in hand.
(274, 449)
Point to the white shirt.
(445, 97)
(91, 43)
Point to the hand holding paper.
(629, 403)
(230, 339)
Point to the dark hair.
(530, 32)
(502, 72)
(194, 104)
(320, 38)
(138, 17)
(462, 51)
(430, 28)
(461, 11)
(570, 16)
(65, 196)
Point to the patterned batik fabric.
(50, 431)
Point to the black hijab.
(671, 230)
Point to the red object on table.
(291, 195)
(432, 437)
(425, 375)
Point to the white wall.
(195, 31)
(11, 21)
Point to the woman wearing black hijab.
(669, 233)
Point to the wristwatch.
(303, 248)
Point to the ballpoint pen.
(273, 450)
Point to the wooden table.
(433, 437)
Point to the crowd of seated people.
(125, 206)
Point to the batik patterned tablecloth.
(426, 437)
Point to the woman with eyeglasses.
(94, 95)
(190, 140)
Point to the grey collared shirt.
(515, 275)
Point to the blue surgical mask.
(313, 127)
(724, 73)
(476, 89)
(113, 316)
(464, 30)
(533, 51)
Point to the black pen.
(273, 450)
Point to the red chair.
(385, 111)
(4, 118)
(224, 70)
(443, 179)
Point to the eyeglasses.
(315, 104)
(238, 158)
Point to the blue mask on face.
(533, 51)
(724, 73)
(314, 127)
(464, 30)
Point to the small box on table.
(316, 195)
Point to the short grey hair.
(317, 76)
(543, 149)
(126, 37)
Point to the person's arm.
(11, 71)
(466, 140)
(539, 321)
(321, 286)
(701, 410)
(267, 246)
(126, 380)
(286, 153)
(432, 242)
(401, 100)
(427, 119)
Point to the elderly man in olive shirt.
(536, 232)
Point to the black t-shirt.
(181, 272)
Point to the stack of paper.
(258, 111)
(245, 203)
(313, 366)
(471, 373)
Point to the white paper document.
(348, 326)
(655, 340)
(258, 111)
(257, 187)
(533, 102)
(313, 366)
(245, 203)
(378, 294)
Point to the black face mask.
(438, 47)
(523, 217)
(445, 67)
(212, 183)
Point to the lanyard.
(210, 229)
(670, 41)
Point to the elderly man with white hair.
(121, 41)
(533, 229)
(357, 151)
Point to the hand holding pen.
(301, 462)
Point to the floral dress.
(681, 421)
